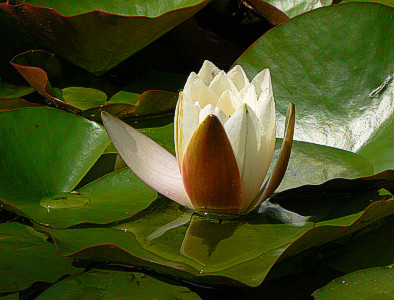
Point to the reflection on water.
(210, 245)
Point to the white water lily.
(224, 142)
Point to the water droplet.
(344, 281)
(201, 271)
(125, 230)
(64, 200)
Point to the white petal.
(207, 72)
(185, 123)
(221, 115)
(212, 110)
(228, 103)
(147, 159)
(222, 82)
(248, 95)
(196, 90)
(262, 82)
(244, 132)
(238, 76)
(266, 113)
(207, 96)
(193, 86)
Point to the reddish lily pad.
(35, 66)
(204, 250)
(99, 35)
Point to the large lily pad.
(27, 257)
(204, 250)
(341, 86)
(375, 283)
(46, 153)
(107, 284)
(98, 35)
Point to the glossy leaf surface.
(343, 92)
(40, 161)
(198, 249)
(99, 35)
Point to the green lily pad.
(343, 91)
(99, 35)
(203, 250)
(27, 257)
(386, 2)
(150, 104)
(107, 284)
(8, 90)
(84, 98)
(44, 152)
(375, 283)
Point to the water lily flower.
(224, 140)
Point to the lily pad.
(140, 98)
(99, 35)
(375, 283)
(27, 257)
(44, 152)
(343, 91)
(107, 284)
(206, 251)
(372, 249)
(14, 103)
(8, 90)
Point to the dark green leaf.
(27, 257)
(375, 283)
(372, 249)
(8, 90)
(105, 284)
